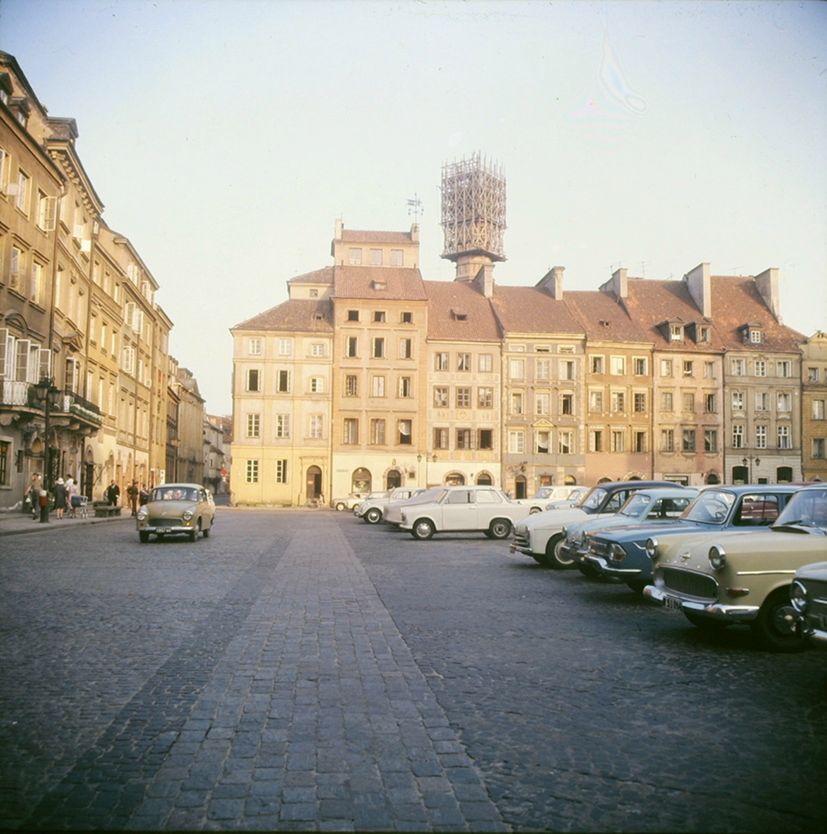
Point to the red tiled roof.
(529, 310)
(604, 318)
(363, 236)
(318, 276)
(386, 282)
(303, 315)
(448, 301)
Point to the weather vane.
(415, 208)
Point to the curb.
(37, 527)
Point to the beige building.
(189, 464)
(814, 407)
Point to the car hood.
(815, 570)
(655, 529)
(555, 518)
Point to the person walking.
(143, 495)
(34, 495)
(61, 495)
(113, 494)
(72, 496)
(132, 492)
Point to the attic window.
(378, 285)
(702, 333)
(5, 87)
(675, 332)
(317, 317)
(603, 322)
(755, 335)
(459, 315)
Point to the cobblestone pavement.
(303, 670)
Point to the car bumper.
(521, 548)
(602, 566)
(163, 529)
(714, 610)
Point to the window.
(812, 374)
(36, 283)
(377, 432)
(760, 437)
(316, 385)
(440, 396)
(407, 318)
(377, 386)
(618, 402)
(516, 369)
(688, 444)
(688, 367)
(818, 447)
(567, 404)
(596, 440)
(16, 268)
(618, 440)
(710, 440)
(567, 369)
(485, 439)
(702, 333)
(639, 364)
(463, 361)
(353, 315)
(516, 402)
(784, 402)
(46, 207)
(440, 438)
(253, 382)
(5, 455)
(596, 364)
(666, 367)
(755, 335)
(24, 184)
(784, 440)
(738, 367)
(4, 164)
(676, 332)
(254, 347)
(785, 368)
(405, 387)
(354, 257)
(406, 348)
(485, 397)
(352, 347)
(762, 401)
(282, 426)
(667, 440)
(441, 361)
(378, 350)
(617, 365)
(516, 442)
(316, 427)
(281, 471)
(818, 410)
(379, 316)
(541, 403)
(486, 363)
(285, 347)
(596, 401)
(376, 257)
(251, 470)
(463, 439)
(253, 425)
(405, 432)
(351, 431)
(639, 403)
(542, 440)
(737, 437)
(710, 403)
(463, 396)
(760, 367)
(737, 400)
(709, 370)
(351, 385)
(565, 442)
(397, 257)
(639, 441)
(688, 402)
(283, 381)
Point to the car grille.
(165, 522)
(521, 539)
(599, 548)
(690, 584)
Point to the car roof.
(678, 491)
(636, 484)
(741, 489)
(179, 486)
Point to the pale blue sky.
(226, 137)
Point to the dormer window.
(702, 333)
(378, 285)
(6, 88)
(752, 333)
(20, 108)
(459, 315)
(675, 332)
(755, 336)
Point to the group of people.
(67, 497)
(134, 493)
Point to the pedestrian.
(34, 495)
(60, 494)
(132, 491)
(143, 495)
(113, 494)
(72, 496)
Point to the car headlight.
(564, 531)
(617, 552)
(652, 548)
(717, 557)
(798, 596)
(187, 515)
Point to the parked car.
(809, 598)
(176, 509)
(541, 535)
(393, 512)
(349, 503)
(372, 509)
(547, 494)
(572, 500)
(485, 509)
(622, 553)
(744, 577)
(658, 504)
(371, 496)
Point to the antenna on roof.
(415, 207)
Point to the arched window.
(484, 479)
(361, 480)
(455, 479)
(393, 479)
(570, 480)
(712, 478)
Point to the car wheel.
(554, 558)
(340, 507)
(143, 536)
(637, 585)
(534, 510)
(588, 569)
(500, 528)
(193, 534)
(704, 623)
(775, 628)
(373, 515)
(422, 529)
(206, 532)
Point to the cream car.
(176, 509)
(744, 577)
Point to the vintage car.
(350, 503)
(376, 495)
(541, 535)
(393, 512)
(176, 509)
(372, 509)
(545, 495)
(658, 504)
(485, 509)
(572, 500)
(621, 554)
(744, 577)
(809, 599)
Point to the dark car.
(623, 554)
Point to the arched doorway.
(455, 479)
(393, 479)
(520, 490)
(712, 478)
(361, 480)
(570, 480)
(313, 483)
(484, 479)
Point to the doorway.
(314, 483)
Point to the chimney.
(552, 282)
(699, 284)
(484, 280)
(338, 229)
(620, 283)
(767, 285)
(415, 232)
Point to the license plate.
(672, 604)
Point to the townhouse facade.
(814, 406)
(448, 382)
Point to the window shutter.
(6, 342)
(50, 214)
(44, 363)
(22, 360)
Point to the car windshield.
(807, 508)
(383, 494)
(433, 494)
(592, 500)
(712, 506)
(173, 493)
(636, 505)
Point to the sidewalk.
(17, 522)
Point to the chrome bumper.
(715, 610)
(178, 528)
(603, 566)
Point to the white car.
(372, 509)
(484, 509)
(350, 503)
(547, 494)
(393, 512)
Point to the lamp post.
(748, 461)
(47, 396)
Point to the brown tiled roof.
(302, 315)
(378, 282)
(448, 302)
(604, 318)
(361, 236)
(529, 310)
(735, 302)
(318, 276)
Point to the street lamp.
(748, 461)
(48, 397)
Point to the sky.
(226, 138)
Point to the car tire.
(193, 534)
(422, 529)
(340, 507)
(775, 628)
(500, 528)
(206, 532)
(554, 559)
(373, 515)
(637, 585)
(143, 536)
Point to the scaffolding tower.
(473, 208)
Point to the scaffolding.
(473, 208)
